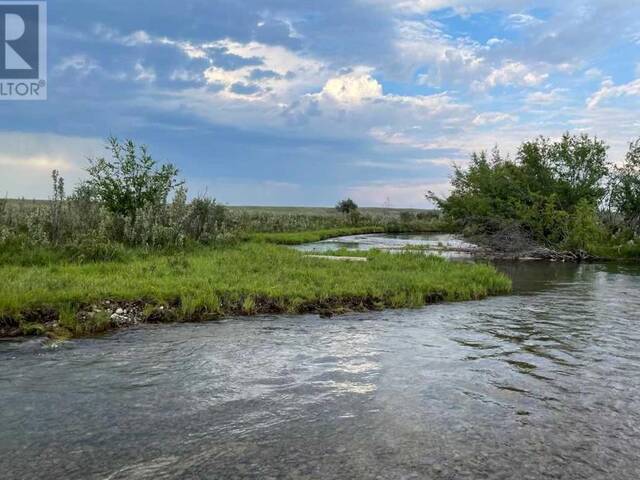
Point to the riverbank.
(66, 299)
(514, 244)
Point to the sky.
(299, 102)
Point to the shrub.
(205, 220)
(130, 181)
(586, 230)
(346, 206)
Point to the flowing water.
(445, 245)
(544, 383)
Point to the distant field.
(377, 211)
(317, 211)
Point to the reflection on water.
(541, 384)
(446, 245)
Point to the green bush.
(586, 229)
(346, 206)
(551, 192)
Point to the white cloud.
(512, 73)
(134, 39)
(423, 44)
(492, 42)
(608, 90)
(81, 64)
(137, 38)
(491, 118)
(546, 98)
(36, 162)
(593, 73)
(461, 7)
(289, 72)
(182, 75)
(144, 74)
(190, 50)
(227, 78)
(522, 20)
(353, 88)
(412, 6)
(408, 164)
(460, 61)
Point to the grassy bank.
(70, 299)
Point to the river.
(544, 383)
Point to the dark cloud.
(343, 31)
(244, 89)
(228, 61)
(277, 32)
(259, 74)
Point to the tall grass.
(82, 230)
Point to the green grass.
(246, 279)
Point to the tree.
(625, 188)
(130, 180)
(579, 166)
(347, 206)
(539, 193)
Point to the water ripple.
(541, 384)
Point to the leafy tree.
(579, 167)
(573, 168)
(551, 190)
(488, 190)
(130, 180)
(625, 188)
(347, 206)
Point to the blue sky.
(294, 102)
